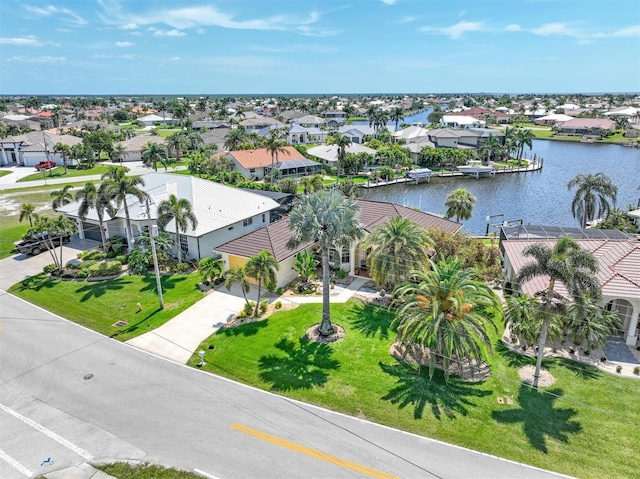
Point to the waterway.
(540, 198)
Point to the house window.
(247, 222)
(184, 244)
(345, 255)
(264, 217)
(252, 170)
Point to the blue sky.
(321, 46)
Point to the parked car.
(36, 244)
(45, 165)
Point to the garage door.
(91, 231)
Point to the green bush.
(341, 274)
(111, 267)
(92, 254)
(94, 270)
(248, 307)
(264, 305)
(619, 369)
(50, 268)
(277, 304)
(123, 258)
(243, 314)
(72, 265)
(636, 370)
(87, 264)
(179, 268)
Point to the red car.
(45, 165)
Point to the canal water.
(540, 198)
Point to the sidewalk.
(83, 471)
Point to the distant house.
(618, 256)
(336, 114)
(215, 136)
(552, 119)
(275, 236)
(357, 133)
(257, 163)
(153, 119)
(329, 153)
(461, 121)
(223, 213)
(467, 138)
(411, 133)
(31, 148)
(310, 121)
(587, 127)
(259, 123)
(135, 145)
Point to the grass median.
(565, 427)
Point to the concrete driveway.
(19, 267)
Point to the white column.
(352, 259)
(633, 324)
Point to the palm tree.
(460, 204)
(118, 187)
(332, 220)
(396, 115)
(210, 269)
(443, 310)
(62, 197)
(524, 315)
(152, 154)
(118, 153)
(262, 267)
(194, 140)
(592, 196)
(274, 144)
(590, 323)
(311, 183)
(99, 199)
(65, 153)
(491, 144)
(177, 142)
(524, 138)
(180, 212)
(237, 274)
(235, 138)
(397, 247)
(342, 142)
(28, 211)
(566, 263)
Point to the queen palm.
(446, 310)
(152, 154)
(28, 211)
(262, 267)
(65, 153)
(177, 142)
(234, 275)
(118, 153)
(460, 204)
(565, 262)
(342, 142)
(117, 187)
(332, 220)
(311, 183)
(397, 247)
(590, 323)
(210, 269)
(99, 199)
(524, 315)
(492, 144)
(62, 197)
(235, 138)
(275, 144)
(180, 211)
(524, 138)
(396, 115)
(592, 197)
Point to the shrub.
(264, 305)
(278, 305)
(248, 307)
(341, 274)
(72, 265)
(243, 314)
(139, 261)
(619, 369)
(123, 258)
(179, 268)
(50, 268)
(111, 267)
(94, 270)
(280, 290)
(636, 370)
(87, 264)
(92, 255)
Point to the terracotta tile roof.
(618, 262)
(261, 157)
(589, 123)
(374, 213)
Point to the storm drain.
(119, 324)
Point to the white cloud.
(168, 33)
(63, 30)
(389, 2)
(633, 31)
(406, 19)
(175, 59)
(123, 44)
(26, 41)
(50, 10)
(456, 31)
(98, 55)
(514, 27)
(128, 57)
(555, 29)
(45, 59)
(128, 26)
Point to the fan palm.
(262, 267)
(591, 200)
(446, 310)
(330, 219)
(180, 211)
(460, 204)
(397, 247)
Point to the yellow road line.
(367, 471)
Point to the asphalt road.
(137, 406)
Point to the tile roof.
(589, 123)
(261, 157)
(374, 213)
(618, 262)
(138, 142)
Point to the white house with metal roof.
(223, 213)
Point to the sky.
(85, 47)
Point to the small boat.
(419, 174)
(476, 168)
(417, 123)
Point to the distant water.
(536, 197)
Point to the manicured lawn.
(5, 173)
(58, 172)
(123, 470)
(165, 132)
(586, 424)
(99, 304)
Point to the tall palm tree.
(460, 204)
(342, 142)
(491, 144)
(565, 262)
(177, 142)
(590, 323)
(262, 267)
(118, 187)
(194, 140)
(235, 138)
(332, 220)
(524, 315)
(396, 115)
(397, 247)
(180, 211)
(591, 200)
(444, 310)
(62, 197)
(99, 199)
(65, 153)
(118, 153)
(152, 154)
(234, 275)
(274, 144)
(524, 137)
(28, 211)
(311, 183)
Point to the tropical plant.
(523, 137)
(28, 211)
(524, 315)
(99, 199)
(275, 143)
(306, 266)
(397, 247)
(177, 142)
(62, 197)
(180, 212)
(52, 229)
(460, 204)
(235, 138)
(65, 153)
(342, 142)
(311, 184)
(210, 269)
(565, 262)
(590, 323)
(446, 311)
(140, 261)
(591, 200)
(331, 220)
(152, 154)
(118, 153)
(396, 115)
(262, 268)
(163, 241)
(234, 275)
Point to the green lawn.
(58, 172)
(586, 424)
(5, 173)
(124, 470)
(99, 304)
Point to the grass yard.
(124, 470)
(5, 173)
(58, 172)
(586, 424)
(99, 304)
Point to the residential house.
(223, 213)
(329, 153)
(259, 123)
(21, 121)
(357, 133)
(310, 121)
(31, 148)
(257, 163)
(552, 119)
(587, 127)
(155, 119)
(275, 236)
(466, 138)
(216, 137)
(335, 114)
(134, 146)
(618, 256)
(411, 133)
(461, 121)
